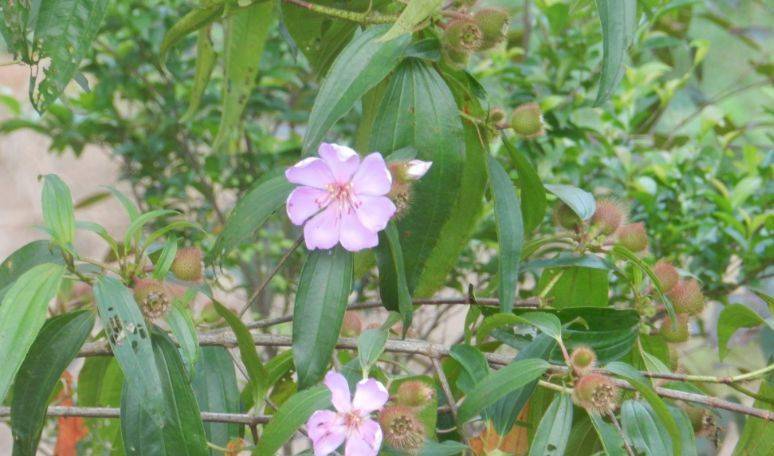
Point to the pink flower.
(415, 169)
(351, 421)
(341, 199)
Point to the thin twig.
(271, 275)
(109, 412)
(449, 396)
(618, 428)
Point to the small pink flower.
(351, 422)
(341, 199)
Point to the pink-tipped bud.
(608, 216)
(677, 332)
(352, 325)
(414, 393)
(633, 237)
(667, 275)
(152, 297)
(188, 264)
(402, 429)
(583, 358)
(596, 392)
(527, 120)
(687, 297)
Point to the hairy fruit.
(188, 264)
(527, 120)
(493, 23)
(583, 357)
(152, 296)
(675, 332)
(608, 216)
(414, 393)
(633, 237)
(402, 429)
(595, 392)
(667, 275)
(687, 297)
(462, 35)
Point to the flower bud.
(583, 358)
(687, 297)
(462, 35)
(404, 173)
(402, 429)
(188, 264)
(497, 117)
(352, 325)
(633, 237)
(414, 393)
(677, 332)
(608, 216)
(415, 169)
(565, 217)
(596, 392)
(667, 275)
(527, 120)
(152, 297)
(493, 23)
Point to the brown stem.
(108, 412)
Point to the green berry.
(527, 120)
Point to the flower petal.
(365, 441)
(342, 161)
(326, 430)
(417, 168)
(373, 177)
(322, 230)
(375, 211)
(339, 387)
(310, 171)
(370, 396)
(304, 202)
(354, 236)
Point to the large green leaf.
(608, 435)
(554, 430)
(20, 261)
(58, 212)
(215, 386)
(393, 285)
(22, 314)
(474, 366)
(246, 32)
(321, 299)
(500, 383)
(358, 68)
(641, 427)
(580, 201)
(732, 318)
(618, 19)
(510, 232)
(196, 19)
(291, 415)
(576, 287)
(533, 194)
(611, 333)
(412, 15)
(56, 346)
(99, 385)
(757, 437)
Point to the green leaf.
(510, 233)
(134, 230)
(554, 429)
(474, 365)
(23, 259)
(181, 431)
(99, 385)
(608, 435)
(206, 58)
(64, 33)
(757, 437)
(445, 448)
(181, 323)
(245, 36)
(576, 287)
(412, 15)
(256, 372)
(58, 211)
(56, 346)
(250, 213)
(580, 201)
(732, 318)
(166, 257)
(215, 386)
(533, 194)
(196, 19)
(658, 405)
(128, 205)
(358, 68)
(22, 314)
(640, 424)
(321, 299)
(618, 19)
(611, 333)
(546, 322)
(499, 384)
(393, 286)
(370, 345)
(686, 430)
(291, 415)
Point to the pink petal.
(365, 441)
(373, 177)
(354, 236)
(310, 171)
(375, 211)
(304, 202)
(326, 430)
(342, 161)
(418, 168)
(322, 230)
(370, 396)
(339, 391)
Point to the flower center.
(352, 420)
(343, 196)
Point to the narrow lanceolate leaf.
(757, 436)
(533, 194)
(181, 431)
(23, 259)
(99, 385)
(215, 386)
(249, 215)
(129, 338)
(246, 32)
(53, 350)
(359, 67)
(554, 429)
(415, 12)
(393, 286)
(181, 323)
(510, 232)
(611, 440)
(22, 314)
(65, 33)
(618, 19)
(256, 372)
(58, 210)
(206, 57)
(642, 428)
(291, 415)
(196, 19)
(580, 201)
(732, 318)
(499, 384)
(321, 300)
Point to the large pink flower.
(341, 199)
(351, 422)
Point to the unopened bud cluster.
(155, 296)
(471, 32)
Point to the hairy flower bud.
(687, 297)
(414, 393)
(583, 358)
(608, 216)
(565, 217)
(404, 173)
(402, 429)
(677, 332)
(633, 237)
(188, 264)
(493, 23)
(352, 325)
(527, 120)
(667, 275)
(462, 35)
(595, 392)
(152, 296)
